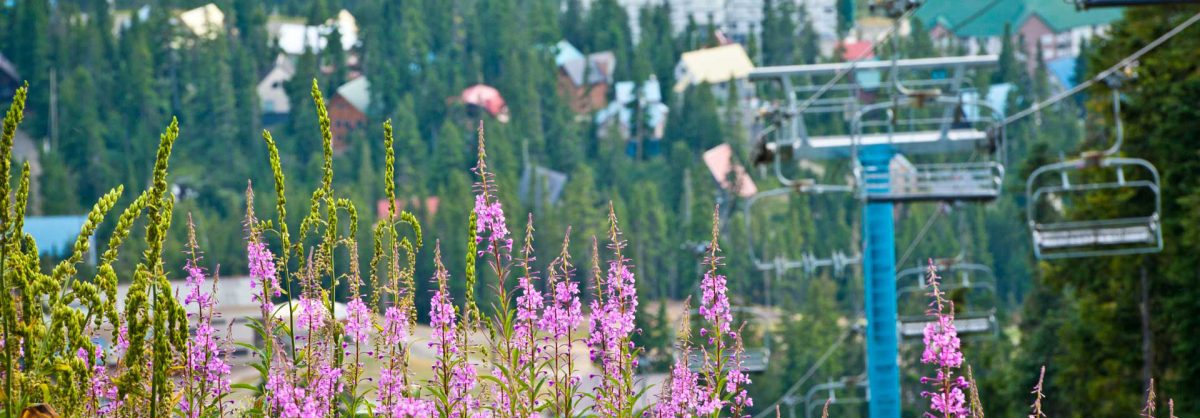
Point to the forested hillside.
(106, 77)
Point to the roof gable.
(986, 18)
(357, 92)
(714, 65)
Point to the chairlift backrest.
(809, 263)
(909, 126)
(752, 359)
(1058, 233)
(978, 316)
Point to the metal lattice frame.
(790, 129)
(968, 180)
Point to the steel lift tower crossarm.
(913, 64)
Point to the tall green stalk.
(11, 120)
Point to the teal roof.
(986, 18)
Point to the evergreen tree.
(32, 55)
(845, 10)
(779, 32)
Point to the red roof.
(430, 204)
(858, 50)
(486, 97)
(720, 162)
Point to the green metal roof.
(986, 18)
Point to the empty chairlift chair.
(1131, 228)
(809, 263)
(974, 284)
(966, 130)
(1128, 223)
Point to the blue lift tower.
(933, 116)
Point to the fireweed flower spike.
(307, 389)
(101, 394)
(1038, 397)
(262, 273)
(612, 327)
(725, 381)
(490, 227)
(942, 349)
(207, 373)
(455, 377)
(559, 321)
(682, 395)
(391, 391)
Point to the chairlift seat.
(752, 360)
(966, 324)
(1123, 231)
(934, 182)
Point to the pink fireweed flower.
(943, 349)
(714, 307)
(683, 396)
(564, 311)
(529, 308)
(262, 273)
(101, 392)
(722, 363)
(205, 363)
(461, 374)
(207, 371)
(358, 324)
(195, 282)
(491, 226)
(122, 344)
(612, 327)
(442, 320)
(456, 377)
(309, 393)
(390, 390)
(411, 408)
(395, 326)
(312, 313)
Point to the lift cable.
(1103, 74)
(920, 235)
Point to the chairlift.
(1135, 229)
(809, 262)
(911, 125)
(976, 281)
(856, 386)
(751, 359)
(785, 133)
